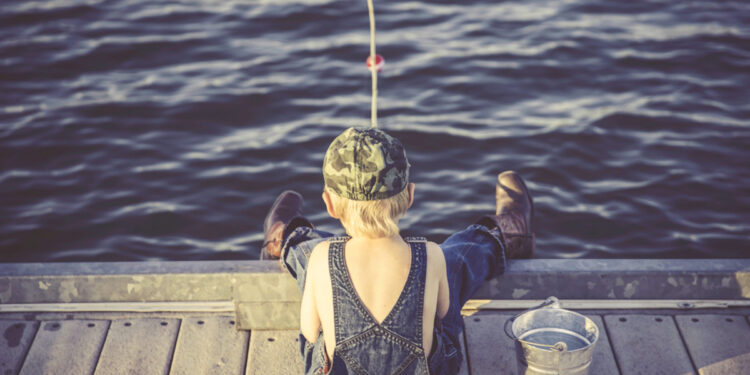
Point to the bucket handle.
(553, 301)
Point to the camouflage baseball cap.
(365, 164)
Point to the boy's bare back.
(378, 269)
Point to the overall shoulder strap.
(349, 314)
(406, 316)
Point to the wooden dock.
(655, 317)
(631, 342)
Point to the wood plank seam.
(101, 347)
(28, 350)
(247, 345)
(247, 352)
(466, 349)
(602, 358)
(174, 351)
(684, 345)
(174, 346)
(614, 352)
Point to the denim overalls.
(362, 345)
(394, 346)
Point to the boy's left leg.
(481, 251)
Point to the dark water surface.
(164, 130)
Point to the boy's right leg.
(480, 251)
(299, 240)
(289, 236)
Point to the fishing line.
(372, 63)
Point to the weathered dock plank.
(647, 344)
(66, 346)
(17, 336)
(138, 346)
(274, 352)
(718, 344)
(210, 345)
(603, 361)
(489, 350)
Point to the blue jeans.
(472, 256)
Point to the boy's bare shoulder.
(318, 257)
(435, 253)
(431, 246)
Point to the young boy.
(373, 302)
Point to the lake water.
(134, 130)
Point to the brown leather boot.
(287, 206)
(514, 215)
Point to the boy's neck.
(396, 239)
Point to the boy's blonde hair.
(371, 218)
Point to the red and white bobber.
(379, 62)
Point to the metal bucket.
(552, 340)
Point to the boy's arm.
(309, 318)
(443, 290)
